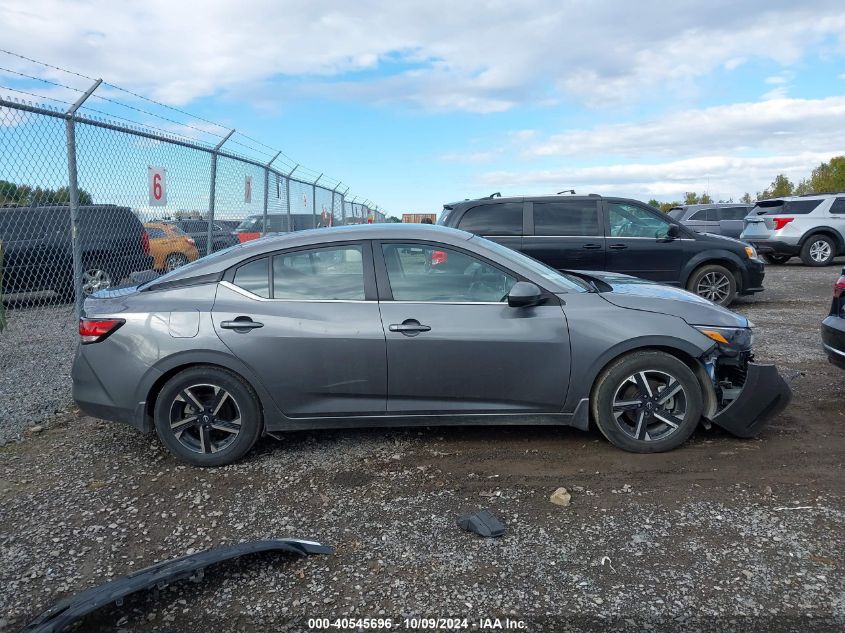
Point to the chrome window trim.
(249, 295)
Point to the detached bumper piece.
(764, 395)
(65, 613)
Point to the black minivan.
(613, 234)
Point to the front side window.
(423, 272)
(254, 277)
(572, 217)
(502, 218)
(319, 274)
(628, 220)
(703, 215)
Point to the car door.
(702, 221)
(307, 322)
(837, 215)
(566, 234)
(731, 220)
(454, 344)
(502, 222)
(638, 243)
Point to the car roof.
(221, 260)
(814, 196)
(540, 198)
(712, 205)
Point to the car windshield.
(675, 214)
(569, 283)
(250, 225)
(792, 207)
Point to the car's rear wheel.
(713, 282)
(818, 250)
(208, 416)
(96, 276)
(647, 402)
(174, 261)
(771, 258)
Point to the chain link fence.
(89, 203)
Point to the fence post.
(290, 173)
(267, 192)
(314, 199)
(73, 195)
(343, 204)
(333, 198)
(209, 238)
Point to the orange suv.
(169, 246)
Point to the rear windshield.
(676, 213)
(252, 225)
(791, 207)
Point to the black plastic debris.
(482, 523)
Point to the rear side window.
(838, 206)
(155, 232)
(319, 274)
(573, 217)
(732, 213)
(791, 207)
(708, 215)
(254, 277)
(503, 218)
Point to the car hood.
(641, 294)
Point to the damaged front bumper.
(65, 613)
(763, 396)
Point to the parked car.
(222, 234)
(811, 227)
(717, 218)
(169, 246)
(38, 255)
(347, 327)
(833, 327)
(613, 234)
(253, 227)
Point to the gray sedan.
(394, 325)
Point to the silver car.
(810, 227)
(399, 325)
(718, 218)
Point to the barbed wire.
(32, 94)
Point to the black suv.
(222, 236)
(37, 250)
(614, 234)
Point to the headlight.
(751, 252)
(738, 338)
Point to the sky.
(417, 104)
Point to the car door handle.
(618, 247)
(592, 247)
(241, 324)
(409, 327)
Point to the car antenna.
(495, 195)
(571, 191)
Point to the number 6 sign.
(158, 188)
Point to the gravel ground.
(722, 534)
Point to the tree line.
(26, 196)
(828, 177)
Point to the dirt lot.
(722, 534)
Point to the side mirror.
(524, 294)
(673, 232)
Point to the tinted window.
(573, 217)
(791, 207)
(319, 274)
(838, 206)
(703, 215)
(251, 225)
(195, 226)
(732, 213)
(629, 220)
(676, 213)
(503, 218)
(420, 272)
(155, 232)
(254, 277)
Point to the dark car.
(221, 235)
(833, 327)
(348, 327)
(726, 219)
(613, 234)
(37, 248)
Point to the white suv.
(812, 227)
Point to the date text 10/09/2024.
(421, 624)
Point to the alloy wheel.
(649, 405)
(714, 286)
(94, 279)
(205, 418)
(820, 251)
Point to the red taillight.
(191, 241)
(96, 330)
(145, 242)
(839, 286)
(439, 257)
(781, 222)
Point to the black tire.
(96, 275)
(212, 438)
(771, 258)
(614, 392)
(818, 250)
(713, 282)
(174, 261)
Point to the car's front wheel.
(647, 402)
(771, 258)
(713, 282)
(208, 416)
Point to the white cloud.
(436, 54)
